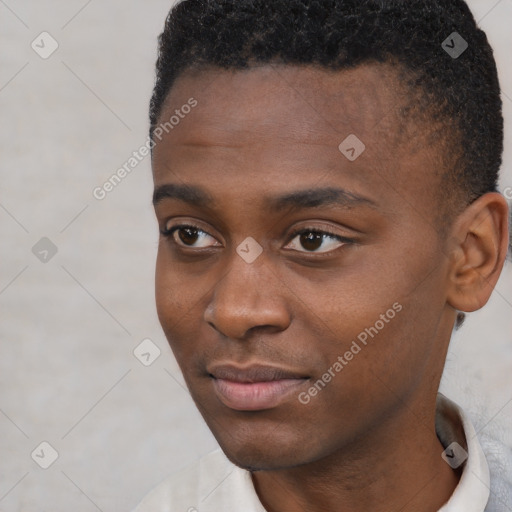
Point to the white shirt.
(214, 484)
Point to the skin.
(368, 437)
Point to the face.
(301, 285)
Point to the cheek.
(175, 294)
(166, 298)
(181, 298)
(178, 287)
(382, 321)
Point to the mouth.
(256, 387)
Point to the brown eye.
(188, 236)
(316, 241)
(311, 241)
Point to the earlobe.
(479, 248)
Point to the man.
(325, 186)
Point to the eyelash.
(323, 231)
(168, 233)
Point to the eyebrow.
(187, 193)
(310, 198)
(319, 197)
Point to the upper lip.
(252, 373)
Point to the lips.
(255, 387)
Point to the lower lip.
(255, 396)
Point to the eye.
(190, 236)
(316, 241)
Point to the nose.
(247, 297)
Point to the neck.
(400, 466)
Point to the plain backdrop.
(69, 325)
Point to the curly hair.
(461, 93)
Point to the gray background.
(69, 326)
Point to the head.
(327, 202)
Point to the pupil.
(311, 241)
(188, 236)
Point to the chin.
(266, 440)
(258, 460)
(261, 454)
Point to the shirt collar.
(452, 426)
(458, 437)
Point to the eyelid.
(169, 232)
(185, 222)
(188, 224)
(325, 231)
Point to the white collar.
(472, 492)
(214, 483)
(452, 425)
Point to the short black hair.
(461, 92)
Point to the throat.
(403, 482)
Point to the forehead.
(276, 117)
(310, 100)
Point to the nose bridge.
(247, 296)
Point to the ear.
(479, 247)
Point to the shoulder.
(486, 433)
(499, 457)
